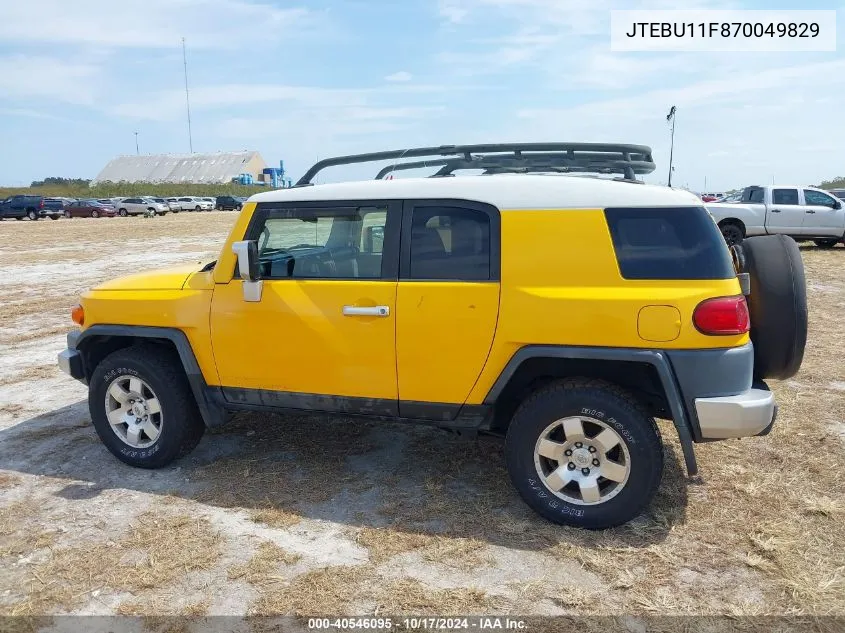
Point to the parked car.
(192, 203)
(32, 207)
(162, 202)
(174, 204)
(711, 197)
(90, 208)
(140, 206)
(228, 203)
(731, 198)
(574, 390)
(54, 207)
(804, 213)
(839, 193)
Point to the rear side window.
(668, 243)
(785, 196)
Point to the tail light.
(41, 204)
(78, 315)
(722, 316)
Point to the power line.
(187, 97)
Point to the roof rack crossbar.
(602, 157)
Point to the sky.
(306, 79)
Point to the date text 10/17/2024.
(428, 623)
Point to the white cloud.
(732, 131)
(146, 23)
(402, 75)
(28, 76)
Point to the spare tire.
(777, 303)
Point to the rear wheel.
(732, 232)
(584, 453)
(826, 243)
(68, 215)
(54, 217)
(142, 407)
(32, 215)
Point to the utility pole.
(187, 98)
(137, 151)
(671, 118)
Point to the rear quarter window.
(668, 243)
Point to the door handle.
(775, 210)
(810, 211)
(380, 311)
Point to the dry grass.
(19, 533)
(263, 567)
(157, 551)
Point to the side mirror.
(247, 252)
(837, 204)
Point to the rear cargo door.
(447, 303)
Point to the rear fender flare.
(655, 358)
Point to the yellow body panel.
(297, 339)
(186, 309)
(561, 285)
(443, 335)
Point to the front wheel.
(32, 215)
(826, 243)
(584, 453)
(95, 214)
(142, 407)
(197, 208)
(122, 213)
(68, 215)
(54, 217)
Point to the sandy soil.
(309, 515)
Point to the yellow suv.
(561, 311)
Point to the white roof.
(177, 168)
(504, 191)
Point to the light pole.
(137, 151)
(671, 118)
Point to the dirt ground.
(309, 515)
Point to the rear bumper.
(746, 414)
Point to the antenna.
(137, 151)
(187, 98)
(671, 118)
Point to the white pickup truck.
(804, 213)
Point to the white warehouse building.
(217, 168)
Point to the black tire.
(68, 215)
(733, 232)
(197, 208)
(54, 217)
(95, 214)
(777, 303)
(598, 400)
(182, 426)
(122, 213)
(32, 215)
(826, 243)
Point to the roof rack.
(496, 158)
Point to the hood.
(172, 278)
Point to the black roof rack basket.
(495, 158)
